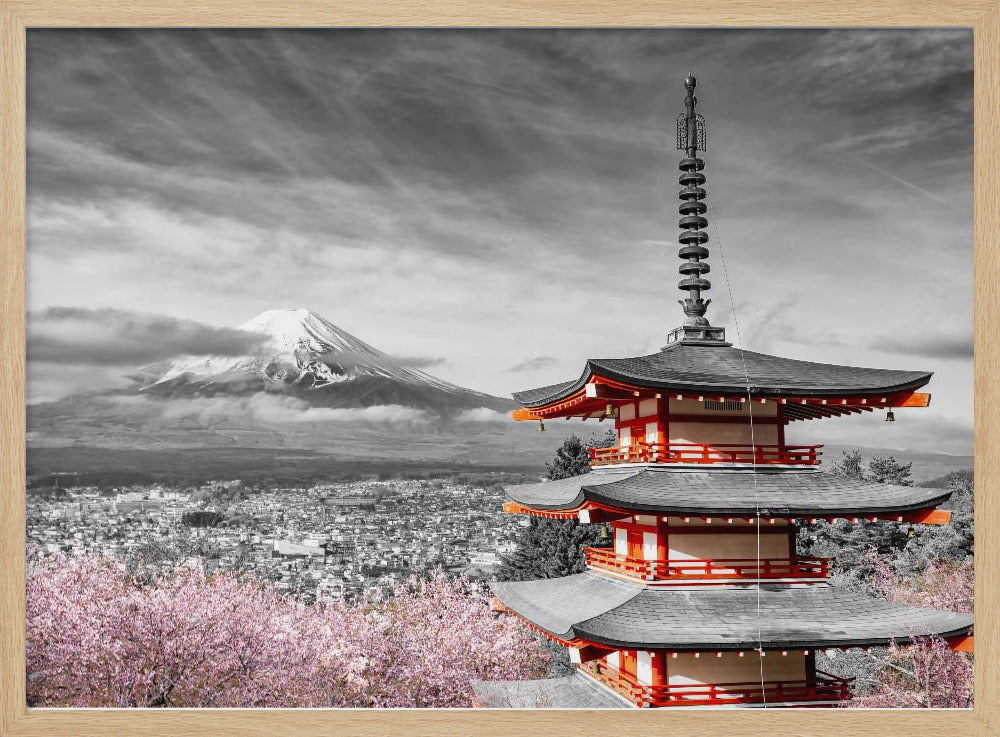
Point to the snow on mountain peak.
(304, 349)
(288, 331)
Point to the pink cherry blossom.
(928, 673)
(99, 635)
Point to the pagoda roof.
(606, 611)
(722, 369)
(735, 492)
(575, 691)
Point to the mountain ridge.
(305, 355)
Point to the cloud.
(114, 337)
(468, 192)
(417, 362)
(266, 409)
(533, 364)
(957, 345)
(483, 414)
(350, 359)
(913, 430)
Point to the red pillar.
(659, 676)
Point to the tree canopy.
(551, 548)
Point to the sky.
(502, 204)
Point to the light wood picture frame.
(16, 16)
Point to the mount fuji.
(302, 354)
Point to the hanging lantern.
(609, 410)
(889, 416)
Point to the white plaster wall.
(626, 412)
(723, 433)
(647, 408)
(708, 545)
(649, 540)
(644, 668)
(686, 669)
(624, 437)
(621, 541)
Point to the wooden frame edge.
(17, 15)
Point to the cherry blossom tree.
(99, 634)
(429, 639)
(927, 673)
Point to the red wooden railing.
(716, 568)
(824, 687)
(796, 455)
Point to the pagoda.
(703, 599)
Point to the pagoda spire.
(693, 253)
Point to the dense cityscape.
(325, 541)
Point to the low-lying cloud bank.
(267, 408)
(113, 337)
(483, 414)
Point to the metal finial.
(691, 138)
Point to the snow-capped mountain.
(304, 354)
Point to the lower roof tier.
(735, 492)
(592, 608)
(575, 691)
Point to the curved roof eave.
(605, 611)
(735, 384)
(688, 492)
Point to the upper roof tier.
(719, 369)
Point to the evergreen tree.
(887, 470)
(954, 541)
(551, 548)
(571, 460)
(850, 465)
(847, 541)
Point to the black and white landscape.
(345, 244)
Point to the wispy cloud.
(456, 192)
(350, 359)
(533, 364)
(958, 345)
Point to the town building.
(703, 599)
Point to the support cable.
(753, 446)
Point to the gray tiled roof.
(720, 369)
(569, 692)
(726, 491)
(718, 617)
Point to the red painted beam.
(596, 516)
(962, 644)
(928, 517)
(587, 653)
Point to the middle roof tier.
(732, 492)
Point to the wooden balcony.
(824, 688)
(707, 570)
(790, 455)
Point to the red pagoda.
(703, 599)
